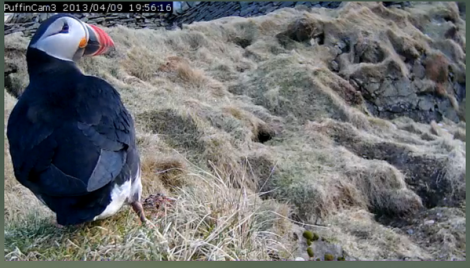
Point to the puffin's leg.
(139, 210)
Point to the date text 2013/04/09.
(94, 7)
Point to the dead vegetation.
(267, 126)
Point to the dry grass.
(209, 221)
(259, 140)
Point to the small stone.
(425, 105)
(418, 70)
(354, 83)
(429, 222)
(299, 259)
(28, 24)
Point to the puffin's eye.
(65, 28)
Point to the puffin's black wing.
(75, 153)
(111, 129)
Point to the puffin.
(72, 141)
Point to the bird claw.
(152, 203)
(156, 201)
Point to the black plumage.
(71, 139)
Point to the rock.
(303, 30)
(425, 104)
(334, 66)
(249, 11)
(193, 4)
(184, 6)
(245, 9)
(287, 4)
(268, 9)
(7, 18)
(10, 68)
(395, 4)
(369, 52)
(244, 4)
(429, 222)
(418, 70)
(332, 4)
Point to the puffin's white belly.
(120, 195)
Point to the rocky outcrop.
(206, 11)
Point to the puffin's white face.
(68, 39)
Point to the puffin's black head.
(65, 37)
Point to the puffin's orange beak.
(99, 41)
